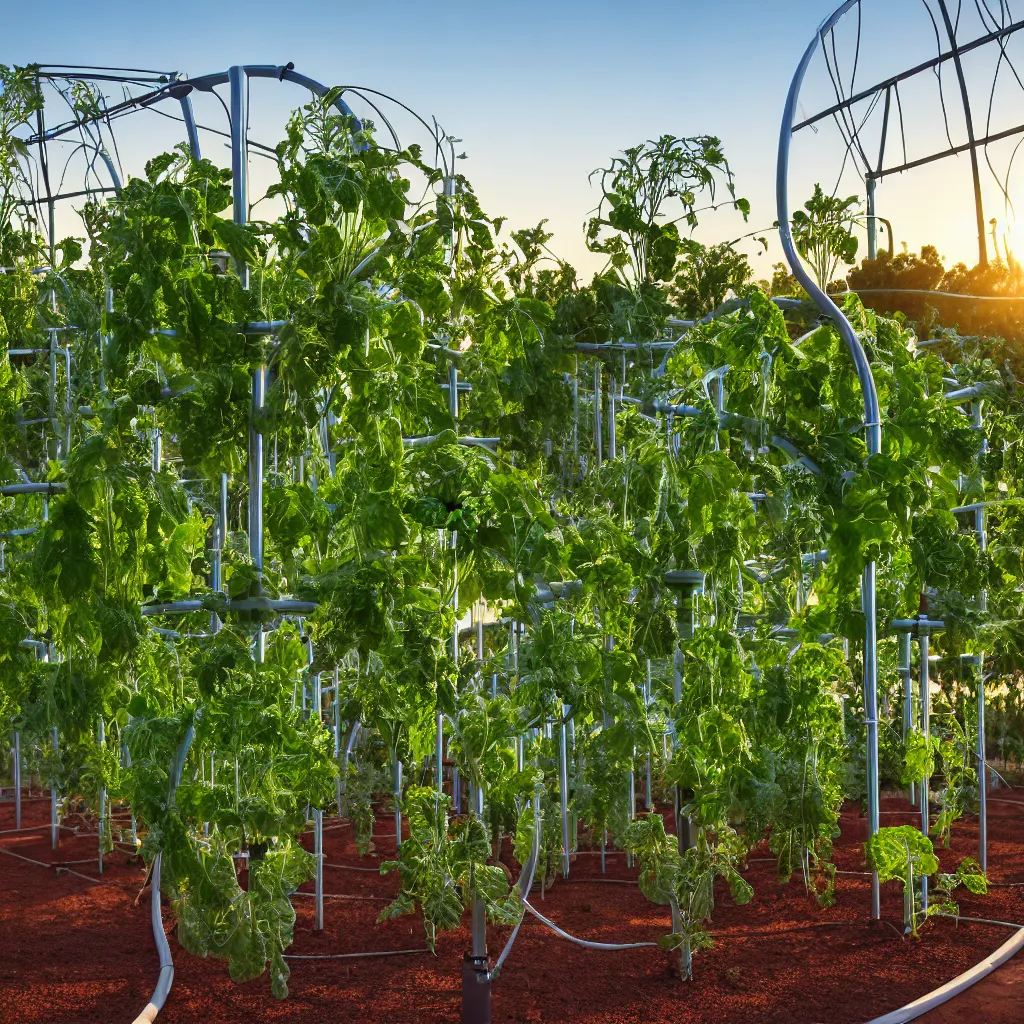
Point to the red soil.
(77, 951)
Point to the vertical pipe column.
(868, 594)
(108, 306)
(54, 819)
(476, 982)
(613, 450)
(240, 195)
(982, 532)
(102, 738)
(926, 732)
(906, 674)
(872, 223)
(318, 814)
(598, 404)
(648, 802)
(563, 789)
(220, 533)
(17, 779)
(337, 732)
(318, 882)
(576, 420)
(397, 773)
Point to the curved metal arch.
(872, 420)
(282, 72)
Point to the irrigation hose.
(166, 976)
(163, 949)
(958, 984)
(584, 942)
(523, 887)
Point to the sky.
(542, 93)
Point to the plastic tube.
(584, 942)
(955, 987)
(166, 976)
(345, 956)
(523, 887)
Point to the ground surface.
(78, 950)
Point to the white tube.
(955, 987)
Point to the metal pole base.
(476, 995)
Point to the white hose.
(956, 986)
(584, 942)
(163, 949)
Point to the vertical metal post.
(868, 595)
(398, 802)
(453, 540)
(220, 533)
(613, 450)
(871, 182)
(576, 421)
(54, 819)
(240, 195)
(926, 732)
(906, 674)
(108, 305)
(648, 802)
(17, 779)
(598, 404)
(206, 824)
(476, 984)
(318, 883)
(102, 739)
(337, 732)
(563, 790)
(238, 83)
(982, 532)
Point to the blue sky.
(540, 93)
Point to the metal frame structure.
(951, 51)
(605, 406)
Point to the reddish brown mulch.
(76, 951)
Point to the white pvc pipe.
(955, 987)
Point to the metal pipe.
(102, 739)
(648, 803)
(906, 674)
(871, 182)
(597, 412)
(613, 450)
(398, 803)
(318, 882)
(17, 779)
(926, 733)
(982, 532)
(479, 914)
(337, 737)
(872, 421)
(563, 787)
(54, 817)
(49, 489)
